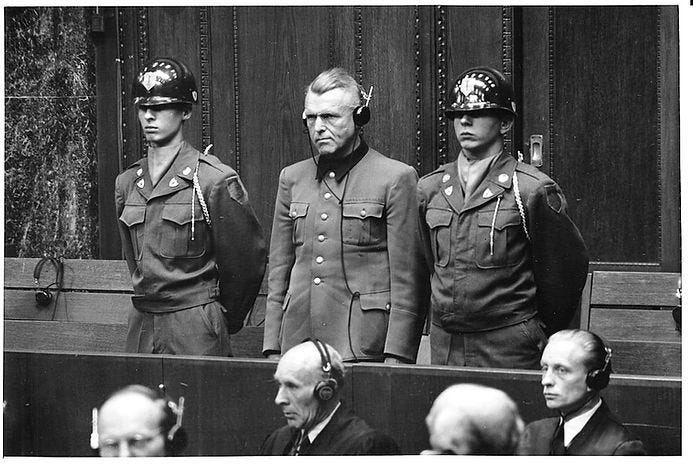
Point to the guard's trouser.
(199, 331)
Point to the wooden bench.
(633, 311)
(90, 313)
(229, 407)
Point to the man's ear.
(506, 124)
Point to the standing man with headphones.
(346, 262)
(310, 377)
(192, 242)
(576, 365)
(507, 264)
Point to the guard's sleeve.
(281, 261)
(423, 227)
(123, 230)
(409, 281)
(560, 257)
(239, 247)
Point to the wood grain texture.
(633, 324)
(606, 153)
(635, 288)
(78, 274)
(87, 337)
(230, 409)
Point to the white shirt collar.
(573, 425)
(315, 431)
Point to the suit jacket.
(345, 434)
(603, 435)
(374, 231)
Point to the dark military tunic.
(490, 269)
(178, 262)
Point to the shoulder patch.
(237, 190)
(554, 198)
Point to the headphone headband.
(326, 388)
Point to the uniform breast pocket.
(175, 234)
(440, 224)
(297, 213)
(508, 239)
(133, 217)
(364, 224)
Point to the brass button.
(323, 216)
(317, 281)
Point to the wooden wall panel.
(389, 64)
(606, 154)
(274, 73)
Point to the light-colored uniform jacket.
(322, 253)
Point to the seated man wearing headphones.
(137, 421)
(576, 365)
(309, 377)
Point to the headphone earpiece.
(598, 379)
(361, 115)
(43, 295)
(326, 389)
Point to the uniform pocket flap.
(132, 215)
(504, 218)
(179, 213)
(438, 218)
(298, 210)
(363, 210)
(380, 300)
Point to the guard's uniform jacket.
(171, 268)
(485, 272)
(376, 234)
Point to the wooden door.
(600, 86)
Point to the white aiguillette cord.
(197, 191)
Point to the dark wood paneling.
(223, 83)
(606, 152)
(63, 388)
(391, 70)
(230, 400)
(276, 68)
(670, 130)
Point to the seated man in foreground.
(576, 365)
(310, 377)
(137, 421)
(473, 419)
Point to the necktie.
(300, 444)
(557, 446)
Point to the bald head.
(473, 419)
(298, 372)
(130, 424)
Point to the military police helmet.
(480, 88)
(164, 81)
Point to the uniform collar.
(341, 166)
(498, 179)
(177, 177)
